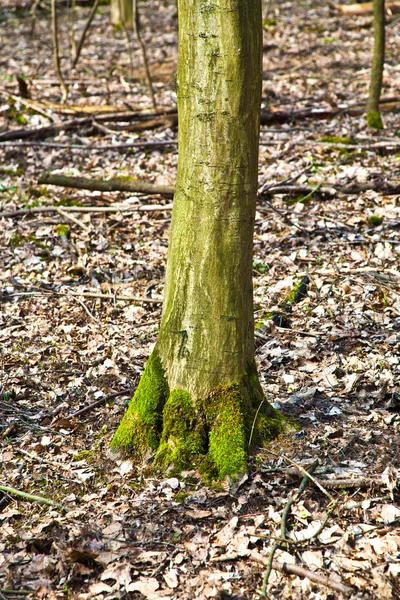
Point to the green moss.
(87, 455)
(260, 267)
(297, 294)
(229, 429)
(269, 426)
(183, 440)
(337, 139)
(62, 230)
(126, 178)
(38, 191)
(16, 240)
(374, 220)
(374, 120)
(67, 202)
(212, 434)
(181, 497)
(11, 172)
(141, 426)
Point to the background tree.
(373, 114)
(122, 13)
(199, 396)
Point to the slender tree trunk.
(122, 13)
(199, 395)
(373, 114)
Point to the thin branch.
(304, 471)
(136, 21)
(102, 401)
(14, 492)
(111, 185)
(301, 572)
(56, 54)
(86, 209)
(73, 219)
(286, 511)
(86, 29)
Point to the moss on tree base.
(212, 434)
(374, 120)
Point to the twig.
(88, 408)
(73, 219)
(86, 29)
(86, 209)
(304, 471)
(56, 50)
(301, 572)
(136, 21)
(85, 308)
(32, 105)
(16, 592)
(126, 146)
(285, 515)
(14, 492)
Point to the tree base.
(212, 434)
(374, 120)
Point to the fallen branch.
(111, 185)
(301, 572)
(86, 209)
(102, 401)
(69, 294)
(285, 515)
(365, 8)
(90, 147)
(118, 185)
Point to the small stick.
(86, 209)
(136, 21)
(301, 572)
(85, 308)
(56, 51)
(84, 295)
(14, 492)
(303, 470)
(86, 409)
(285, 514)
(86, 29)
(73, 219)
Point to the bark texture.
(122, 13)
(373, 114)
(203, 370)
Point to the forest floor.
(331, 360)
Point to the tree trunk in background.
(122, 13)
(373, 114)
(199, 399)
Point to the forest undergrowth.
(81, 281)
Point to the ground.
(330, 359)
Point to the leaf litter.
(330, 360)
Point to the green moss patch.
(337, 139)
(374, 120)
(211, 434)
(184, 433)
(141, 426)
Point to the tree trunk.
(199, 399)
(122, 13)
(374, 118)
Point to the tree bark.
(122, 13)
(374, 118)
(199, 399)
